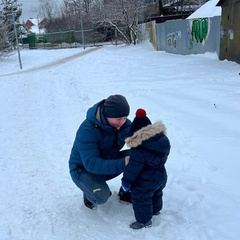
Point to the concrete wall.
(189, 36)
(161, 36)
(151, 29)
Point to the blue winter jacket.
(97, 145)
(150, 148)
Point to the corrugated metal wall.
(189, 36)
(195, 36)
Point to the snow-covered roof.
(35, 21)
(35, 28)
(209, 9)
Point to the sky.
(29, 8)
(41, 107)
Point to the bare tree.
(123, 16)
(87, 5)
(68, 17)
(48, 9)
(72, 14)
(119, 16)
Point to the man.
(96, 157)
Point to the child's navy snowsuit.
(145, 173)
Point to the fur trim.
(145, 133)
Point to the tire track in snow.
(55, 63)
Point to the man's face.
(116, 122)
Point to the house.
(35, 25)
(164, 10)
(230, 30)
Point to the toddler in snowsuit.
(145, 175)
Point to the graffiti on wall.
(172, 38)
(199, 30)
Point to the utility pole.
(16, 37)
(81, 21)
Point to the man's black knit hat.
(116, 106)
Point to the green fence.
(70, 38)
(30, 39)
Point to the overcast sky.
(29, 8)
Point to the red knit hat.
(141, 120)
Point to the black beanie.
(141, 120)
(116, 106)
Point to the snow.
(209, 9)
(42, 105)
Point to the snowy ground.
(197, 97)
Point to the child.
(145, 175)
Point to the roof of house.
(35, 28)
(209, 9)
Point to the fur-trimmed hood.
(145, 133)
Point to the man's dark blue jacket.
(97, 145)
